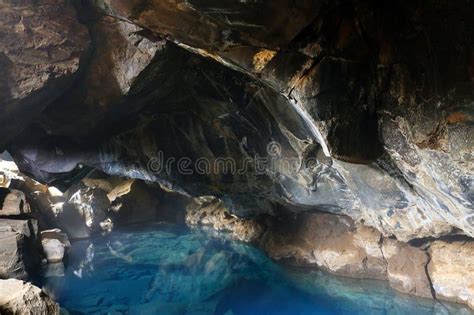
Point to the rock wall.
(42, 43)
(376, 129)
(19, 251)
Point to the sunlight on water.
(165, 269)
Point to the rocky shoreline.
(20, 257)
(440, 269)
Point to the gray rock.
(55, 245)
(71, 220)
(367, 112)
(18, 248)
(82, 213)
(22, 298)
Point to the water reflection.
(166, 269)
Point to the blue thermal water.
(167, 269)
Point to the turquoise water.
(166, 269)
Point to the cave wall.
(372, 100)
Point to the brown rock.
(22, 298)
(210, 211)
(267, 24)
(13, 202)
(451, 270)
(120, 55)
(332, 242)
(41, 45)
(406, 268)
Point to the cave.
(236, 157)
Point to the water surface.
(168, 269)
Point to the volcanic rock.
(22, 298)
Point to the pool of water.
(167, 269)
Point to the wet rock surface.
(357, 125)
(210, 211)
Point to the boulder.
(451, 270)
(21, 298)
(13, 202)
(133, 201)
(56, 234)
(55, 245)
(18, 250)
(92, 204)
(53, 249)
(406, 268)
(71, 220)
(82, 213)
(332, 242)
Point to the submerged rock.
(22, 298)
